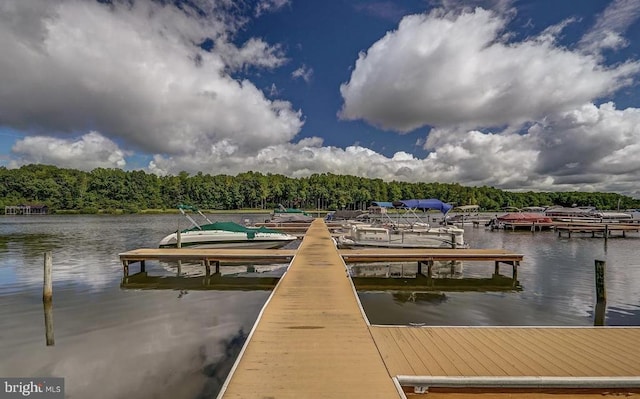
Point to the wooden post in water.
(47, 298)
(600, 312)
(47, 288)
(179, 245)
(601, 292)
(606, 231)
(454, 244)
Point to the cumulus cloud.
(590, 140)
(450, 69)
(475, 158)
(135, 71)
(90, 151)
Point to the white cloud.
(265, 6)
(610, 25)
(135, 72)
(303, 72)
(587, 149)
(448, 69)
(90, 151)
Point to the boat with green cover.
(224, 235)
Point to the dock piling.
(47, 298)
(601, 292)
(47, 288)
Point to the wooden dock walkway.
(311, 339)
(424, 256)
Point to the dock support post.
(454, 244)
(496, 269)
(429, 270)
(47, 287)
(514, 274)
(606, 231)
(600, 312)
(47, 299)
(207, 267)
(125, 268)
(48, 323)
(142, 266)
(601, 292)
(217, 263)
(419, 272)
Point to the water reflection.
(212, 282)
(48, 323)
(111, 342)
(114, 340)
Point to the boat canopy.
(234, 227)
(424, 204)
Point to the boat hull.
(237, 241)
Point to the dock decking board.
(312, 340)
(513, 351)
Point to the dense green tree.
(111, 189)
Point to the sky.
(523, 95)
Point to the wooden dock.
(595, 229)
(423, 256)
(313, 340)
(206, 256)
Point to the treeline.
(131, 191)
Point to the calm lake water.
(112, 342)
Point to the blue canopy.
(430, 203)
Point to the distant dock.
(596, 229)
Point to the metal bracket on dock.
(518, 382)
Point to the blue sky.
(515, 94)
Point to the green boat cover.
(235, 227)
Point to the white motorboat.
(362, 235)
(402, 231)
(586, 214)
(224, 235)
